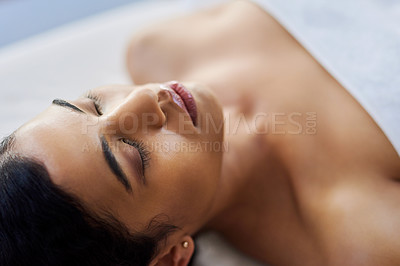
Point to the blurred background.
(20, 19)
(60, 49)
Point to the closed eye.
(97, 102)
(143, 152)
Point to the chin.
(209, 110)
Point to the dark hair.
(40, 224)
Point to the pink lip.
(184, 99)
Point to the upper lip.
(183, 98)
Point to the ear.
(178, 255)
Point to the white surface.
(214, 251)
(65, 62)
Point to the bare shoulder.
(357, 223)
(180, 47)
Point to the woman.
(299, 174)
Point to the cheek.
(184, 178)
(193, 183)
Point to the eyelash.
(141, 147)
(96, 101)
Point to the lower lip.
(187, 98)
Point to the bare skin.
(329, 197)
(72, 139)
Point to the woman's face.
(139, 154)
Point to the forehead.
(71, 153)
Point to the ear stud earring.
(185, 244)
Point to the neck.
(247, 158)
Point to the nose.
(139, 112)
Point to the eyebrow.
(108, 155)
(66, 104)
(114, 166)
